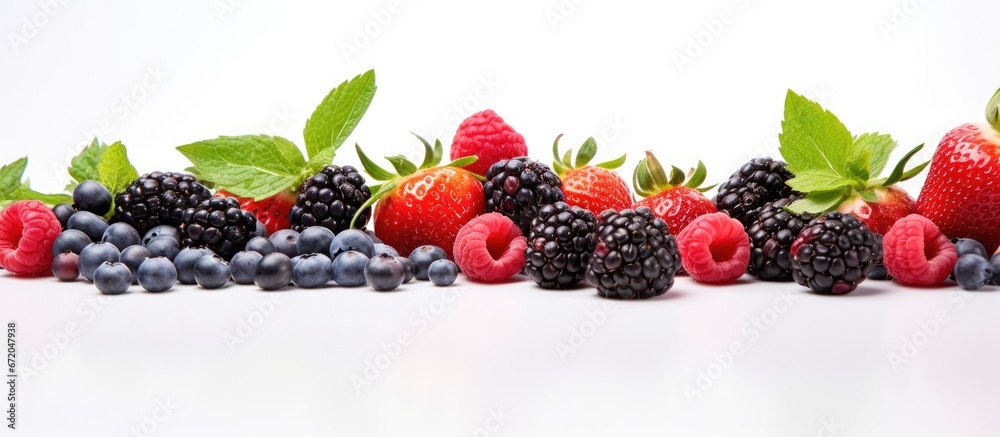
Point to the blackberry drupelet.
(560, 245)
(759, 181)
(834, 253)
(771, 235)
(518, 187)
(218, 224)
(635, 256)
(158, 198)
(330, 199)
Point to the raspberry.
(714, 248)
(27, 231)
(490, 248)
(486, 136)
(917, 253)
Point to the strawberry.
(423, 205)
(591, 187)
(962, 192)
(272, 211)
(486, 136)
(672, 200)
(838, 171)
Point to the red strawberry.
(672, 200)
(962, 191)
(425, 205)
(272, 211)
(892, 204)
(486, 136)
(591, 187)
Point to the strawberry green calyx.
(993, 111)
(583, 157)
(404, 168)
(650, 178)
(829, 163)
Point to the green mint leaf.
(83, 167)
(812, 138)
(868, 195)
(10, 177)
(25, 193)
(336, 117)
(114, 170)
(817, 180)
(818, 202)
(879, 147)
(255, 166)
(859, 164)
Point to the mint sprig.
(829, 163)
(83, 167)
(13, 188)
(260, 166)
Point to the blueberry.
(112, 278)
(133, 256)
(352, 239)
(88, 222)
(442, 273)
(70, 240)
(273, 272)
(63, 211)
(349, 269)
(972, 271)
(211, 272)
(384, 272)
(381, 248)
(315, 239)
(185, 260)
(122, 235)
(375, 238)
(260, 230)
(995, 264)
(157, 274)
(93, 197)
(408, 268)
(243, 265)
(968, 245)
(284, 241)
(66, 267)
(312, 270)
(165, 247)
(422, 258)
(260, 245)
(161, 231)
(95, 254)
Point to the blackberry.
(330, 199)
(158, 198)
(518, 187)
(771, 235)
(758, 182)
(218, 224)
(635, 256)
(834, 253)
(560, 245)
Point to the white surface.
(604, 68)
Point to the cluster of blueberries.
(114, 256)
(975, 268)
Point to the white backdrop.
(691, 80)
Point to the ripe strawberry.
(486, 136)
(962, 191)
(892, 203)
(592, 187)
(272, 211)
(672, 200)
(423, 205)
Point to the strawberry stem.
(993, 111)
